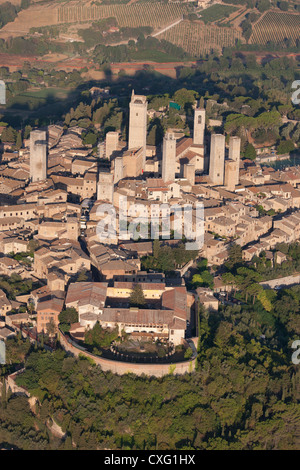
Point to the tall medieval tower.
(217, 159)
(38, 156)
(234, 154)
(199, 126)
(169, 157)
(138, 124)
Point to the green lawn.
(44, 103)
(34, 99)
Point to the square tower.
(217, 159)
(111, 143)
(199, 126)
(234, 154)
(118, 169)
(189, 173)
(38, 156)
(230, 174)
(138, 123)
(105, 187)
(169, 157)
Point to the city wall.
(121, 368)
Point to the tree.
(51, 328)
(247, 29)
(3, 394)
(19, 141)
(235, 257)
(9, 134)
(263, 5)
(27, 131)
(229, 279)
(137, 298)
(100, 337)
(250, 152)
(69, 315)
(284, 6)
(285, 146)
(156, 247)
(197, 280)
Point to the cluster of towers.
(224, 172)
(132, 162)
(170, 149)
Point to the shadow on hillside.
(146, 81)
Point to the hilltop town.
(53, 187)
(149, 225)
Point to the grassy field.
(34, 99)
(47, 103)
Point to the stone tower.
(169, 157)
(111, 143)
(38, 156)
(199, 126)
(101, 149)
(138, 123)
(72, 228)
(217, 159)
(118, 169)
(189, 173)
(230, 174)
(234, 154)
(105, 187)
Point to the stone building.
(169, 158)
(199, 126)
(38, 155)
(138, 124)
(217, 159)
(234, 155)
(105, 187)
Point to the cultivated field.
(143, 14)
(275, 26)
(152, 14)
(217, 12)
(197, 38)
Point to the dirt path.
(168, 27)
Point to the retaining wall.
(121, 368)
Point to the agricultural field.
(156, 15)
(276, 27)
(196, 38)
(137, 14)
(216, 13)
